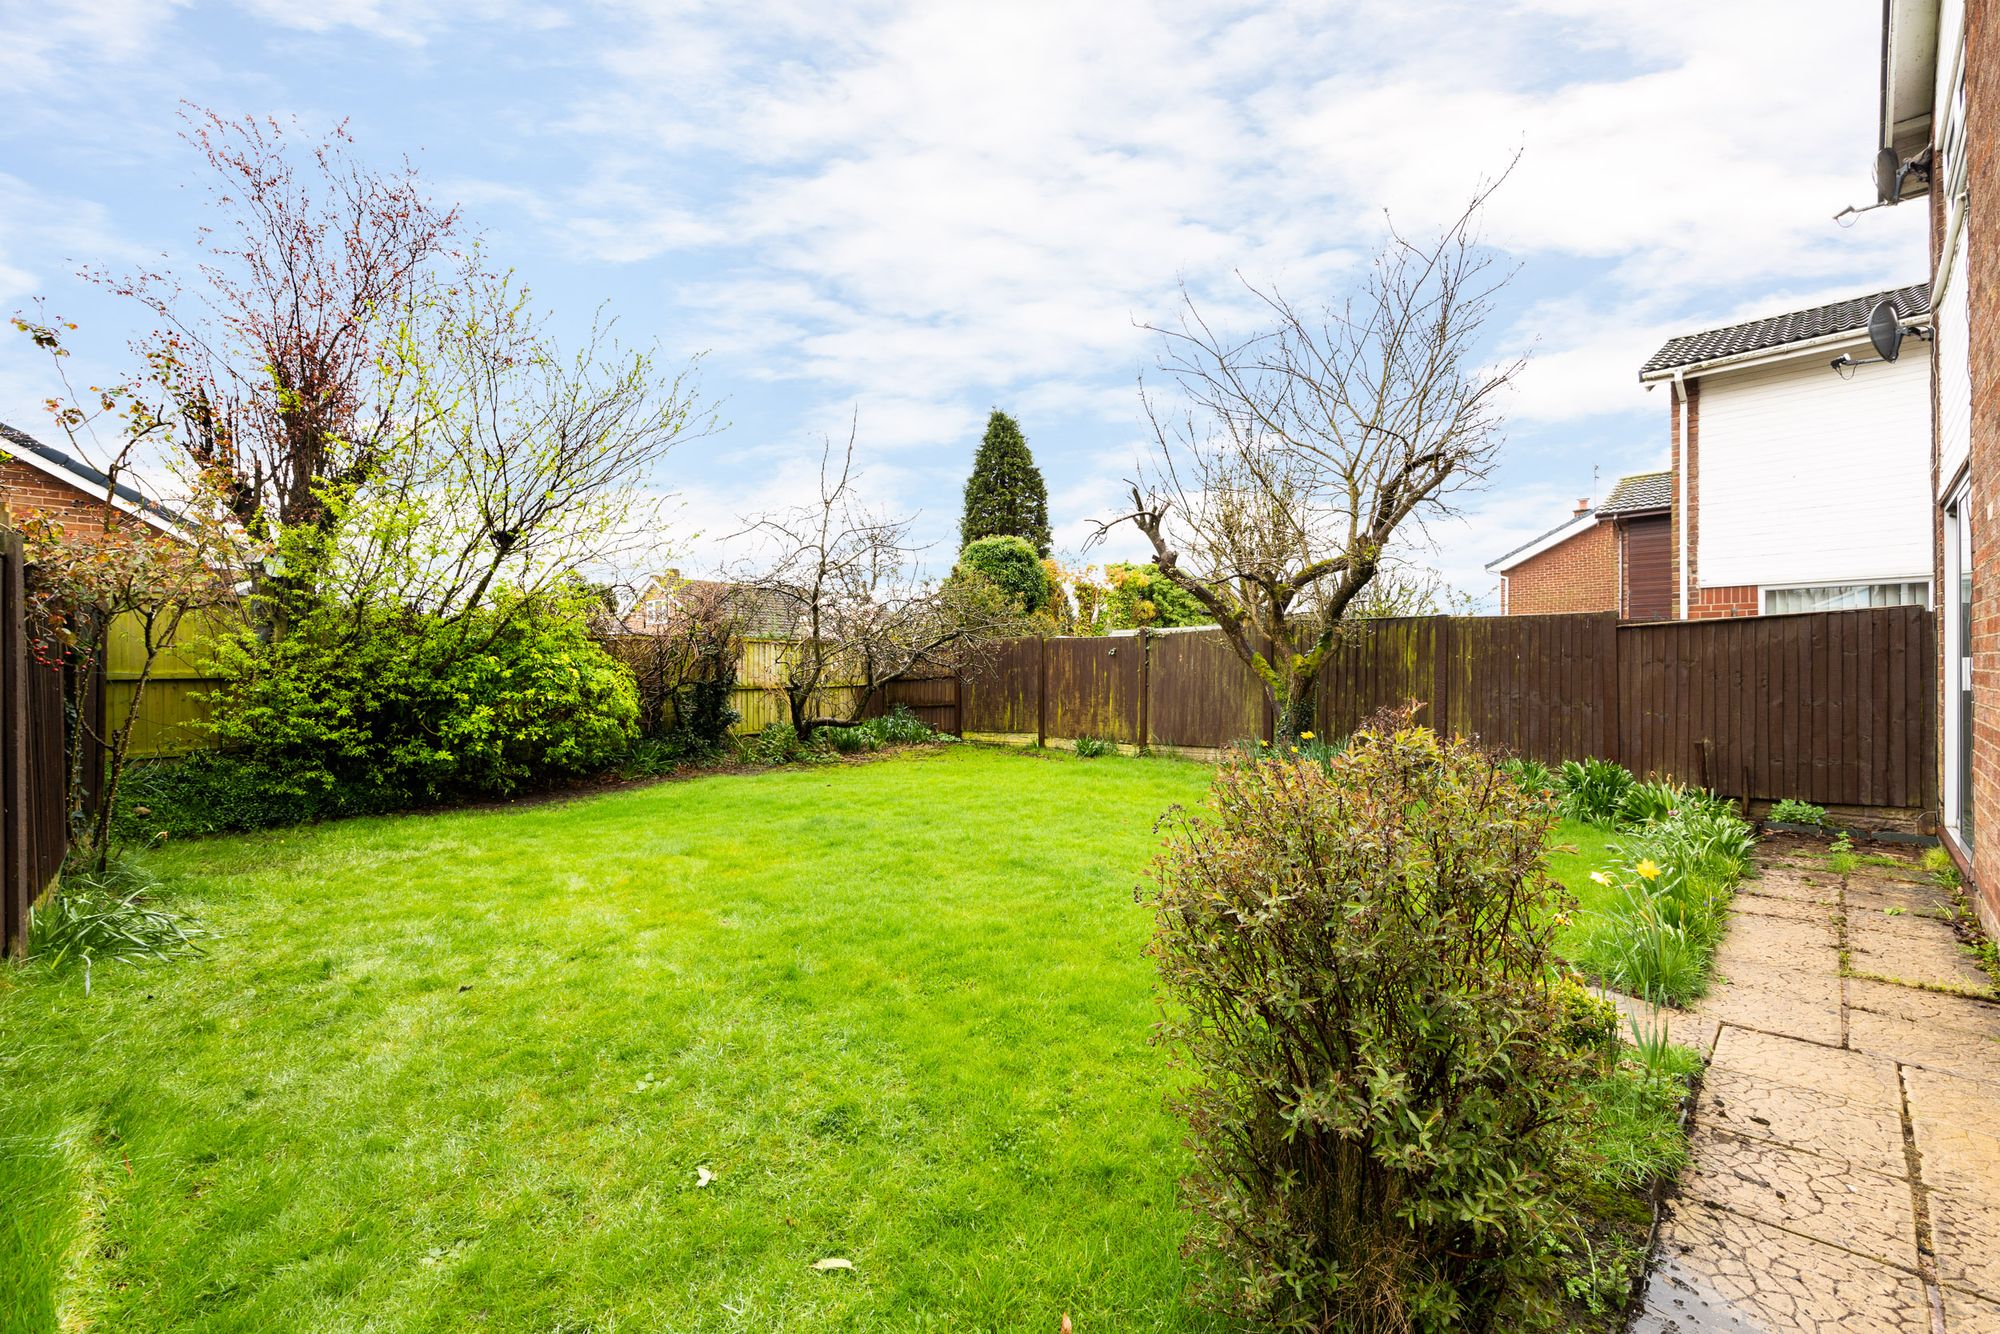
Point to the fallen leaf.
(702, 1176)
(833, 1262)
(1066, 1329)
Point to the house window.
(1847, 597)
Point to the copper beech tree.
(1301, 451)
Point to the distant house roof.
(1798, 326)
(1640, 491)
(1634, 494)
(76, 473)
(761, 611)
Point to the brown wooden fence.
(32, 833)
(1836, 708)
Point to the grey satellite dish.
(1885, 330)
(1888, 176)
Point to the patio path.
(1846, 1143)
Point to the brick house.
(40, 479)
(1939, 97)
(664, 596)
(1798, 462)
(1608, 558)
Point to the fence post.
(1145, 689)
(1614, 741)
(1441, 670)
(1042, 690)
(15, 818)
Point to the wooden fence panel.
(1536, 686)
(1199, 694)
(1837, 708)
(1002, 692)
(33, 815)
(1093, 688)
(1377, 665)
(934, 700)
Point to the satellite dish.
(1885, 330)
(1888, 176)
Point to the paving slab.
(1863, 1133)
(1826, 1199)
(1965, 1314)
(1807, 886)
(1956, 1125)
(1811, 945)
(1951, 1050)
(1849, 1075)
(1913, 949)
(1973, 1016)
(1782, 1001)
(1719, 1271)
(1770, 905)
(1965, 1239)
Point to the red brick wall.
(1982, 108)
(25, 490)
(1686, 419)
(1708, 604)
(1578, 575)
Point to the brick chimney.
(1582, 507)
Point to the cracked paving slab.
(1864, 1133)
(1914, 949)
(1716, 1271)
(1827, 1199)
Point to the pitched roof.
(1640, 491)
(81, 475)
(1796, 326)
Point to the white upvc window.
(1845, 597)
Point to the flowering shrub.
(1356, 973)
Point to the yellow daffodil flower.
(1305, 736)
(1647, 868)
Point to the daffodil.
(1295, 750)
(1648, 868)
(1305, 736)
(1600, 877)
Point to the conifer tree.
(1005, 496)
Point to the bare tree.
(842, 586)
(1301, 450)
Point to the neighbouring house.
(663, 596)
(40, 479)
(1800, 477)
(1612, 557)
(1939, 97)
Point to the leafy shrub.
(1013, 566)
(1140, 596)
(900, 727)
(1594, 791)
(108, 915)
(1589, 1022)
(1090, 747)
(1793, 811)
(210, 792)
(356, 709)
(779, 743)
(1531, 776)
(1648, 803)
(852, 740)
(1355, 968)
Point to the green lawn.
(460, 1071)
(1575, 850)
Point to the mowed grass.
(1575, 850)
(460, 1071)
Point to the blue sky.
(914, 212)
